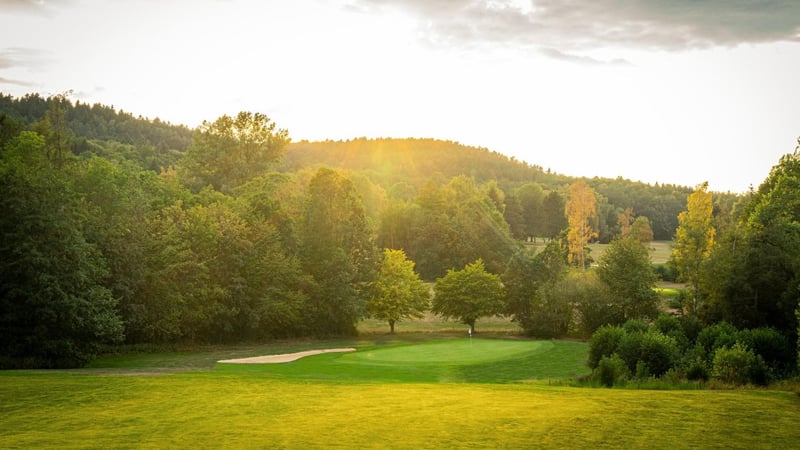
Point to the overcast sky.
(670, 91)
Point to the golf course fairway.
(450, 393)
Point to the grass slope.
(241, 410)
(379, 397)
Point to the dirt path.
(286, 357)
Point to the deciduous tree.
(337, 252)
(626, 269)
(468, 294)
(231, 150)
(580, 208)
(694, 240)
(398, 293)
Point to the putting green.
(456, 351)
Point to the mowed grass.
(213, 410)
(393, 393)
(437, 361)
(660, 251)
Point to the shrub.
(666, 323)
(635, 326)
(771, 345)
(717, 336)
(659, 352)
(669, 325)
(695, 364)
(697, 370)
(733, 364)
(691, 327)
(604, 343)
(611, 370)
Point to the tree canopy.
(468, 294)
(398, 293)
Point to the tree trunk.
(391, 326)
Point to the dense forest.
(120, 229)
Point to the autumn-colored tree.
(694, 239)
(625, 221)
(634, 227)
(582, 205)
(398, 293)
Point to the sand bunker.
(286, 357)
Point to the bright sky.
(670, 91)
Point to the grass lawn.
(660, 251)
(394, 392)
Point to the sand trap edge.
(286, 357)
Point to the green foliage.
(734, 364)
(338, 254)
(468, 294)
(654, 350)
(771, 345)
(54, 307)
(448, 226)
(592, 301)
(154, 144)
(626, 269)
(231, 150)
(605, 342)
(717, 336)
(611, 370)
(694, 240)
(758, 267)
(398, 293)
(534, 296)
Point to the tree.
(337, 252)
(531, 196)
(579, 209)
(754, 274)
(530, 298)
(468, 294)
(398, 293)
(641, 230)
(626, 269)
(54, 307)
(58, 137)
(231, 150)
(694, 240)
(553, 214)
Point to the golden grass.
(211, 410)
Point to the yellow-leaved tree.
(694, 239)
(581, 207)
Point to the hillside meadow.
(417, 390)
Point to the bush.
(604, 343)
(611, 370)
(734, 364)
(667, 323)
(691, 327)
(665, 271)
(695, 364)
(635, 326)
(657, 352)
(771, 345)
(717, 336)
